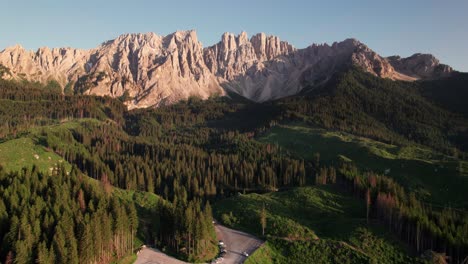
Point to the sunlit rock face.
(158, 70)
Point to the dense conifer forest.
(194, 153)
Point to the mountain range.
(158, 70)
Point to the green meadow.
(435, 177)
(315, 223)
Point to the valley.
(360, 169)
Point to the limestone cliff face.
(60, 64)
(153, 69)
(250, 67)
(269, 47)
(234, 55)
(157, 70)
(424, 66)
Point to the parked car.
(221, 243)
(245, 254)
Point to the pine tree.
(263, 219)
(81, 200)
(10, 258)
(86, 245)
(368, 203)
(59, 245)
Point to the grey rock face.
(424, 66)
(157, 70)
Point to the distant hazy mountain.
(158, 70)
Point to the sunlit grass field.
(435, 177)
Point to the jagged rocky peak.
(268, 47)
(185, 35)
(230, 42)
(369, 60)
(231, 57)
(243, 38)
(132, 42)
(135, 53)
(186, 53)
(351, 43)
(420, 65)
(154, 69)
(158, 70)
(180, 39)
(43, 64)
(14, 50)
(234, 55)
(372, 62)
(135, 38)
(11, 55)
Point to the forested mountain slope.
(390, 111)
(197, 152)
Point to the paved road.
(236, 243)
(154, 256)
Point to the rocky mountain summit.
(156, 70)
(424, 66)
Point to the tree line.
(418, 224)
(61, 217)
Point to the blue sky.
(388, 27)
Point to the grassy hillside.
(32, 146)
(435, 177)
(24, 152)
(301, 213)
(391, 111)
(318, 224)
(31, 149)
(63, 138)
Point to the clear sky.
(388, 27)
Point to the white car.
(245, 254)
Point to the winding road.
(236, 243)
